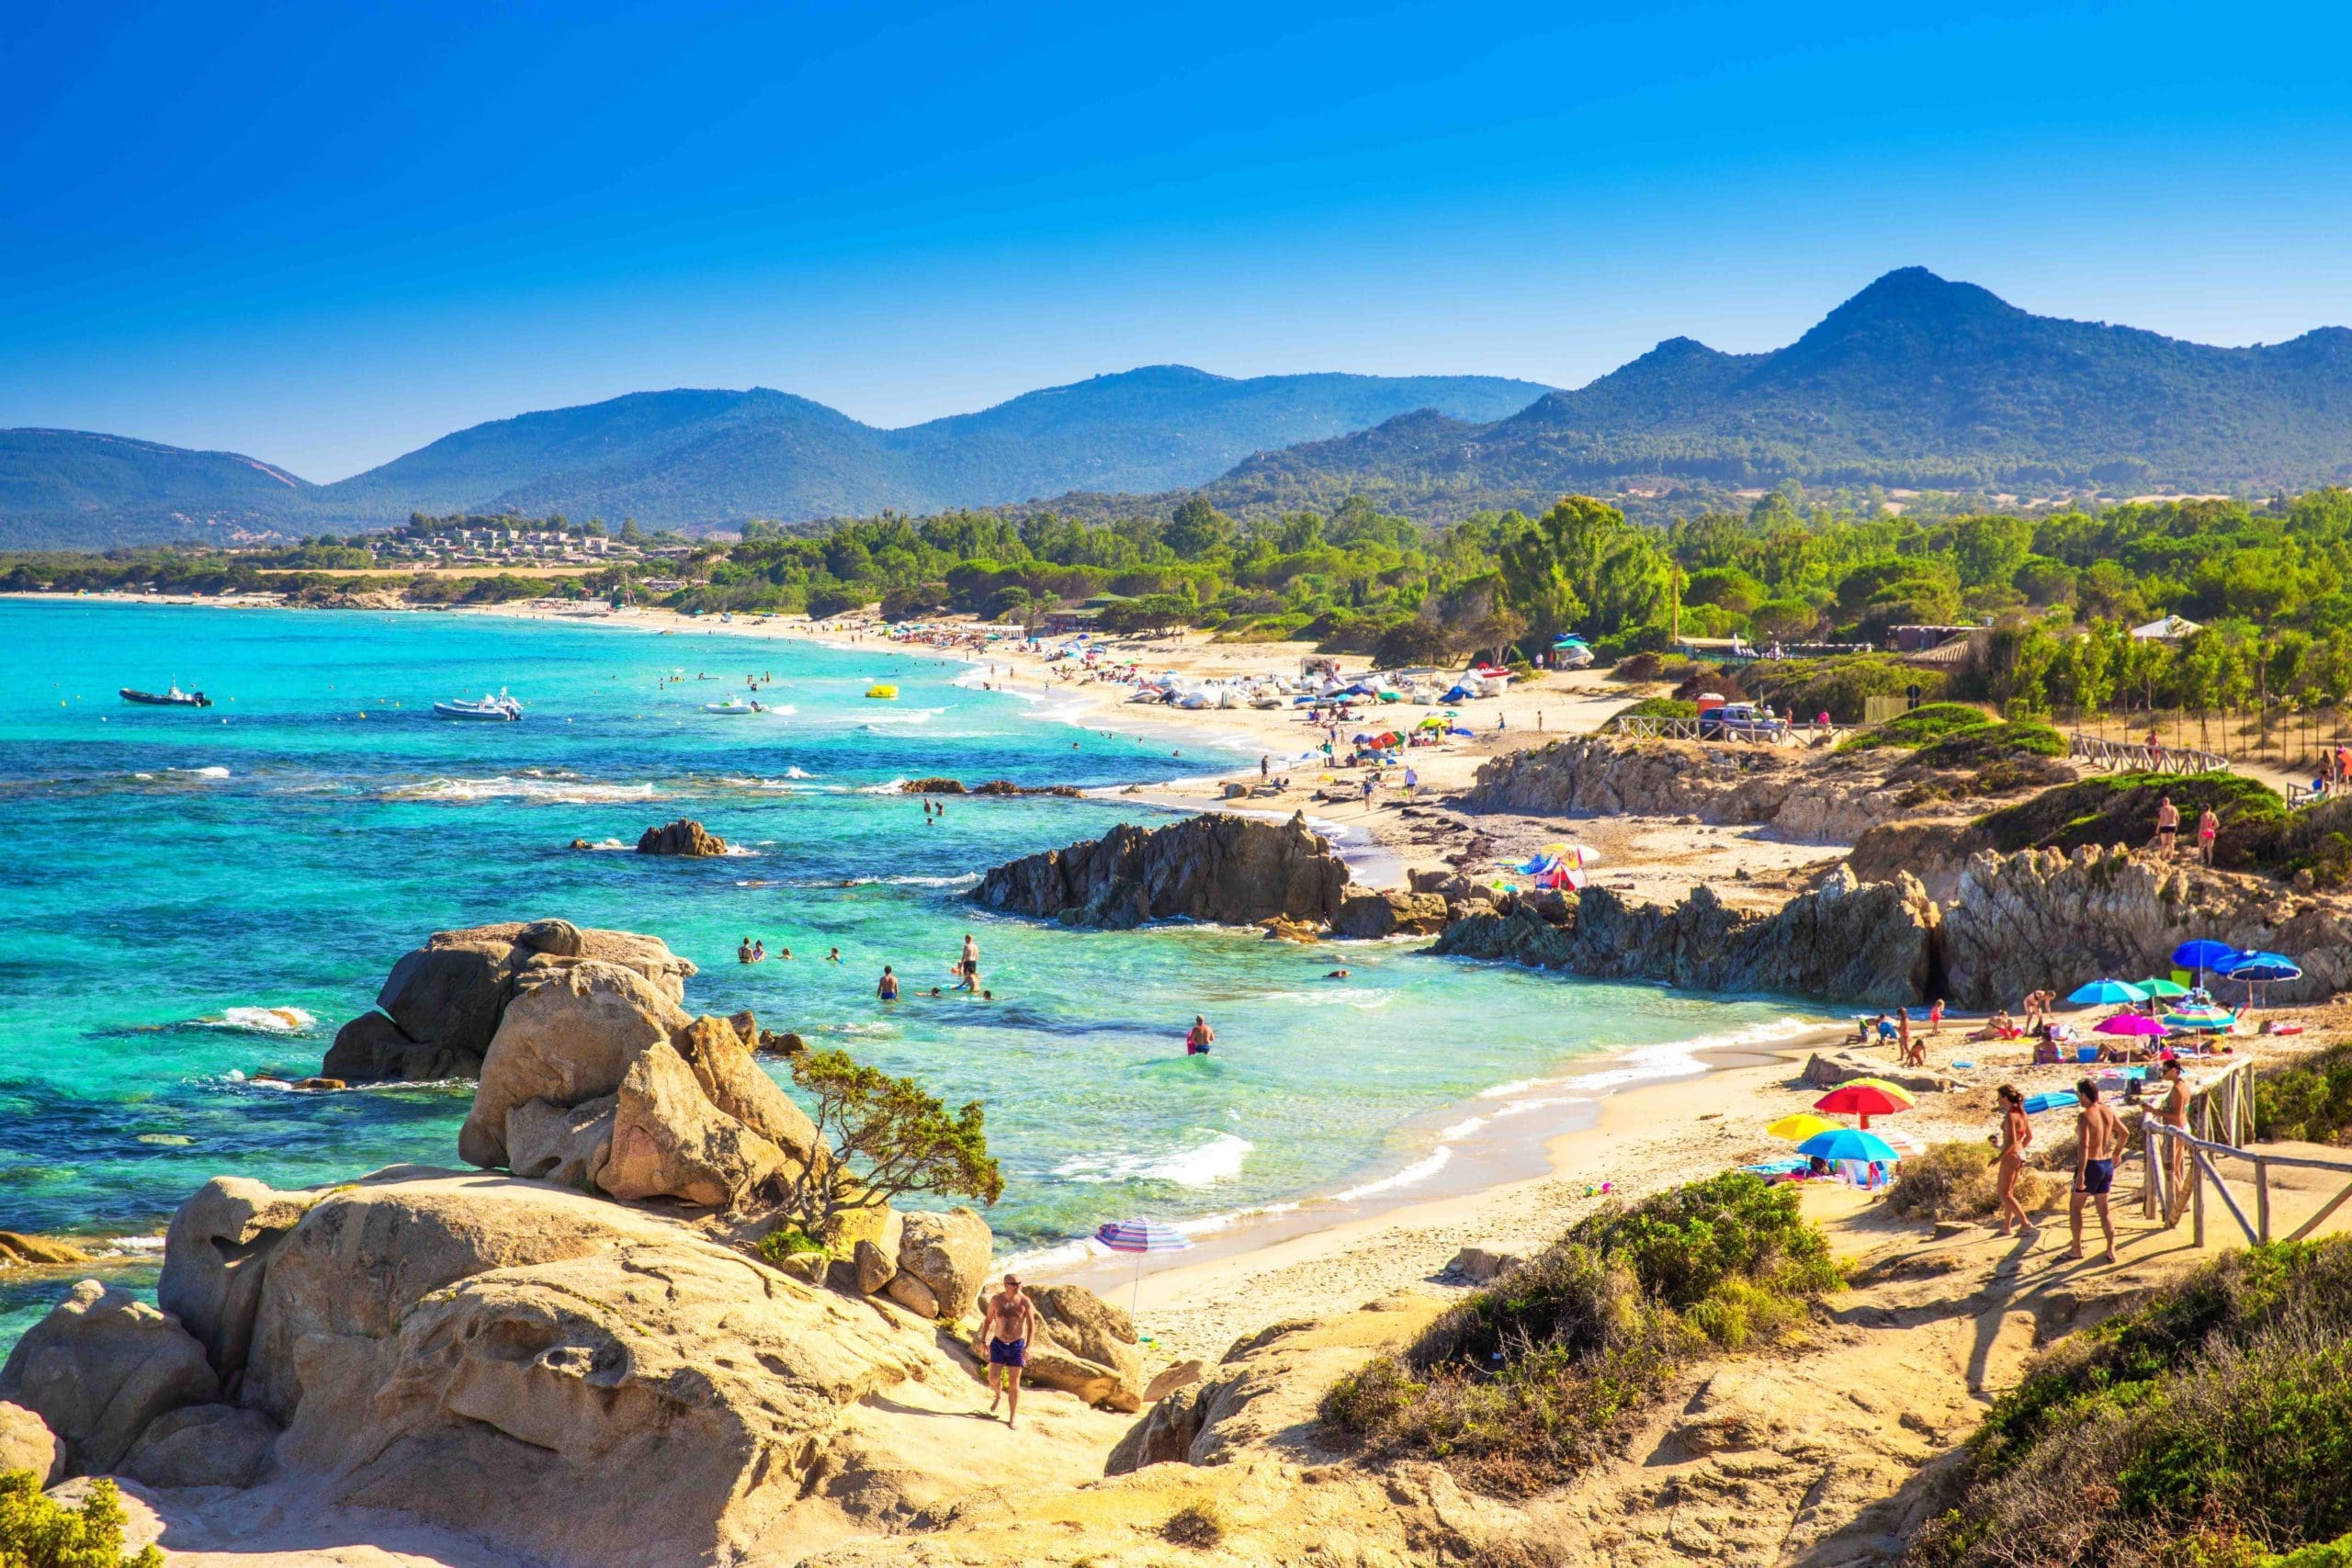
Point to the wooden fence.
(1650, 727)
(2139, 758)
(2183, 1165)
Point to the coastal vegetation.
(1956, 1181)
(2307, 1101)
(884, 1137)
(2263, 589)
(1530, 1377)
(2211, 1427)
(2119, 808)
(38, 1532)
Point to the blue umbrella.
(2101, 991)
(1849, 1142)
(1140, 1236)
(2202, 955)
(2251, 966)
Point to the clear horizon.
(323, 238)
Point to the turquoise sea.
(169, 872)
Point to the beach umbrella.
(1140, 1236)
(1803, 1125)
(2129, 1024)
(2106, 992)
(1903, 1144)
(2170, 991)
(1848, 1142)
(2251, 966)
(2209, 1020)
(1890, 1086)
(1862, 1099)
(2201, 954)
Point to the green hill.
(1915, 381)
(75, 490)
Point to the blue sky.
(325, 233)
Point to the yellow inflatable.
(882, 690)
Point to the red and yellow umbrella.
(1864, 1098)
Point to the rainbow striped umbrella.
(1140, 1236)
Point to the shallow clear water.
(168, 868)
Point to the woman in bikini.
(2016, 1133)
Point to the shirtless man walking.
(2098, 1138)
(1007, 1323)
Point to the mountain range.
(1915, 381)
(699, 460)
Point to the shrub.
(882, 1137)
(39, 1533)
(825, 602)
(1837, 686)
(1538, 1373)
(1658, 707)
(1957, 1181)
(1410, 642)
(790, 1241)
(2213, 1425)
(1923, 725)
(1639, 667)
(2307, 1101)
(1976, 748)
(1197, 1525)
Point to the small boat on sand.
(501, 708)
(175, 698)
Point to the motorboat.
(175, 698)
(733, 705)
(501, 708)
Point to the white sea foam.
(895, 786)
(962, 879)
(265, 1019)
(1205, 1165)
(903, 716)
(540, 791)
(1420, 1170)
(1461, 1129)
(215, 772)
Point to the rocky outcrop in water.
(444, 1001)
(1800, 793)
(1219, 867)
(684, 837)
(1846, 941)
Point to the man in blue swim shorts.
(1010, 1318)
(2098, 1138)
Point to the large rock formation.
(598, 1081)
(99, 1367)
(27, 1443)
(443, 1002)
(1818, 797)
(2047, 919)
(1219, 867)
(668, 1141)
(943, 1259)
(494, 1356)
(1847, 941)
(567, 1037)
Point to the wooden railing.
(1650, 727)
(2143, 758)
(2220, 1119)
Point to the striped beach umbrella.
(1141, 1237)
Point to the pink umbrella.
(2129, 1024)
